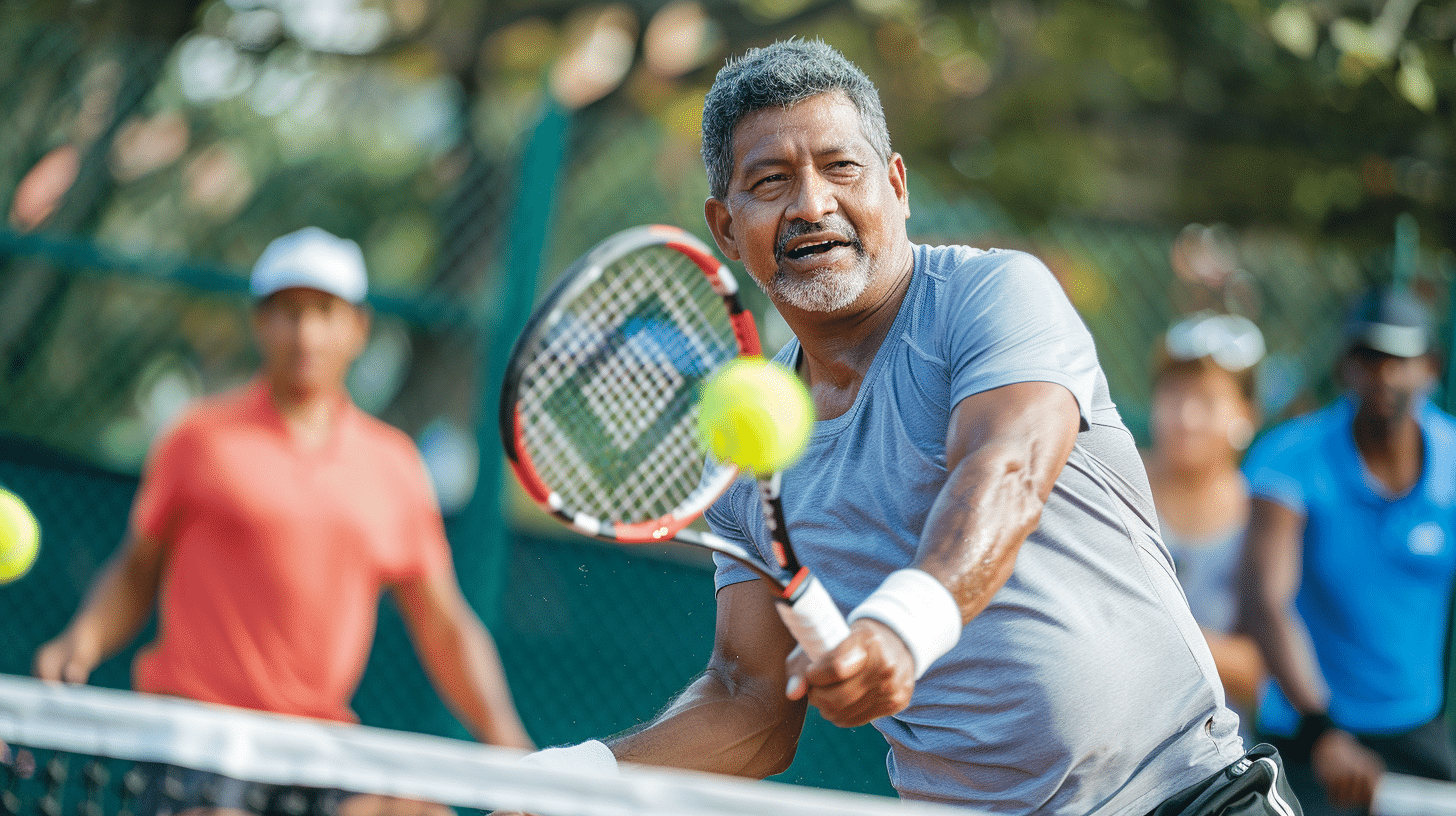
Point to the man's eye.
(769, 179)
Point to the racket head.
(598, 409)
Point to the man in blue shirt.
(1351, 553)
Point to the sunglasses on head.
(1233, 342)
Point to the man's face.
(811, 210)
(309, 338)
(1387, 387)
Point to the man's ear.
(896, 167)
(1434, 366)
(363, 319)
(720, 223)
(366, 319)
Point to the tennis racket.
(599, 408)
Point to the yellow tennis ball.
(756, 414)
(19, 537)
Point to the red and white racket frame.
(803, 603)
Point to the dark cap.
(1391, 321)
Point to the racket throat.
(798, 585)
(770, 495)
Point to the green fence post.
(1407, 250)
(483, 577)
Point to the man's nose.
(814, 199)
(1389, 370)
(309, 329)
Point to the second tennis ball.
(756, 414)
(19, 537)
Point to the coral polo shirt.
(276, 554)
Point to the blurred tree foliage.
(1324, 118)
(201, 129)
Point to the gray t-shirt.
(1085, 685)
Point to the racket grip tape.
(811, 616)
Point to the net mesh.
(607, 403)
(84, 750)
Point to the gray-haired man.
(969, 496)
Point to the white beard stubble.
(823, 291)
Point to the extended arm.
(1272, 552)
(116, 607)
(1272, 555)
(1005, 449)
(461, 658)
(734, 718)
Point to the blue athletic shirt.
(1376, 581)
(1085, 686)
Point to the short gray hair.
(779, 76)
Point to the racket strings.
(608, 403)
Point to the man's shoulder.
(201, 427)
(958, 277)
(1440, 427)
(386, 442)
(727, 508)
(960, 261)
(206, 414)
(1440, 422)
(1298, 438)
(379, 433)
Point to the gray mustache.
(799, 227)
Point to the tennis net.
(100, 752)
(1400, 795)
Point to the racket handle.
(811, 616)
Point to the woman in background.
(1203, 418)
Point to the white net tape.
(1400, 795)
(295, 751)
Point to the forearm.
(1273, 553)
(989, 505)
(463, 661)
(719, 724)
(117, 605)
(1005, 449)
(1288, 657)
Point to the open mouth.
(818, 248)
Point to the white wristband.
(592, 755)
(918, 608)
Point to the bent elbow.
(776, 755)
(783, 762)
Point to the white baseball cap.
(313, 259)
(1390, 320)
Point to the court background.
(1268, 159)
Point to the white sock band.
(919, 609)
(592, 755)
